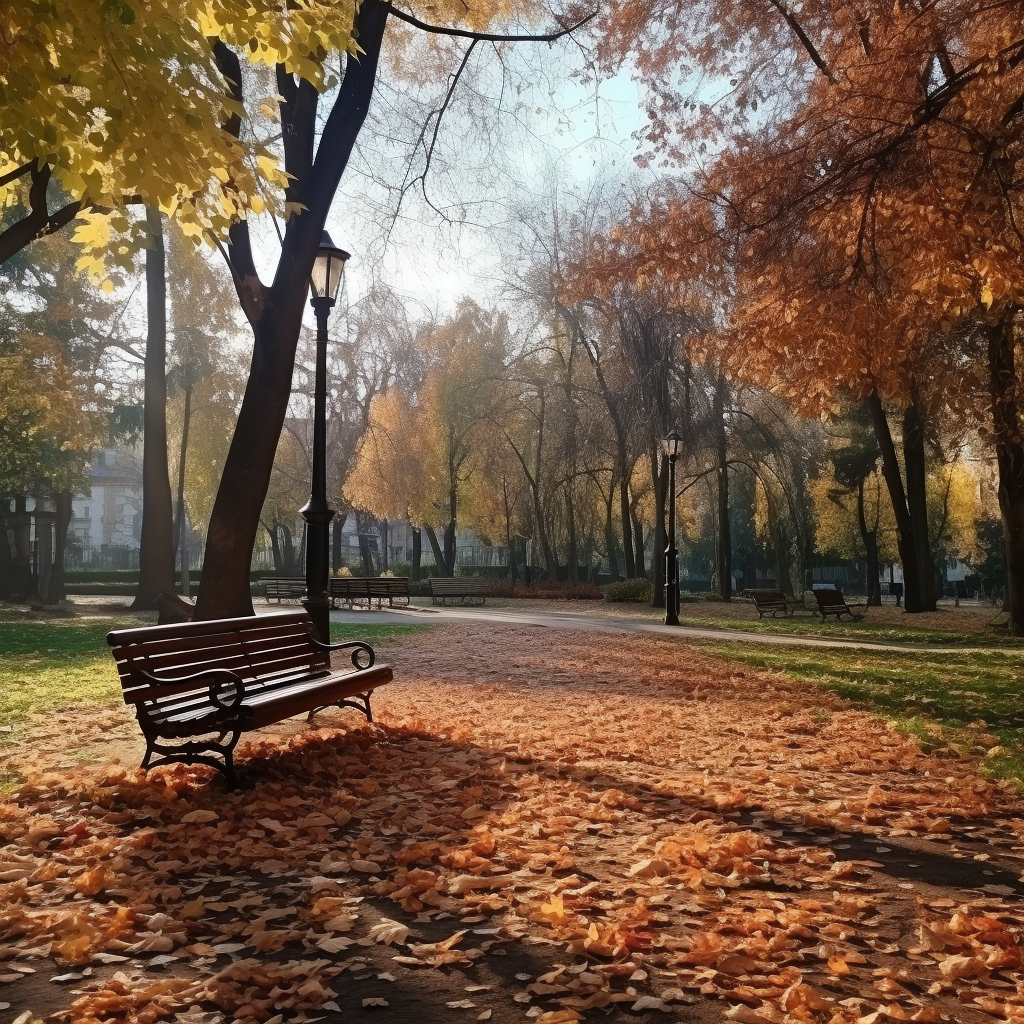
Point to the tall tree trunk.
(627, 524)
(780, 541)
(180, 547)
(275, 311)
(435, 547)
(1006, 421)
(337, 536)
(905, 543)
(156, 550)
(724, 550)
(572, 556)
(6, 558)
(638, 542)
(659, 474)
(917, 503)
(417, 554)
(870, 539)
(56, 588)
(275, 547)
(610, 540)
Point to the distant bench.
(443, 587)
(776, 603)
(280, 588)
(352, 589)
(832, 602)
(197, 686)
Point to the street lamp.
(324, 283)
(672, 445)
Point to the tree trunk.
(572, 556)
(417, 554)
(627, 524)
(870, 538)
(156, 550)
(275, 312)
(56, 589)
(448, 568)
(610, 540)
(6, 558)
(435, 547)
(638, 543)
(917, 503)
(724, 551)
(912, 597)
(1006, 421)
(180, 547)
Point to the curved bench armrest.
(220, 678)
(363, 655)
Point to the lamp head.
(328, 268)
(672, 444)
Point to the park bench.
(279, 588)
(357, 589)
(832, 602)
(776, 603)
(444, 587)
(197, 686)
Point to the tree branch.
(499, 37)
(18, 172)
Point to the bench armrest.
(363, 655)
(219, 678)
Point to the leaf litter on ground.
(668, 827)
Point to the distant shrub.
(686, 597)
(636, 591)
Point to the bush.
(697, 597)
(637, 591)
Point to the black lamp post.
(323, 283)
(672, 445)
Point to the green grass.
(863, 630)
(49, 665)
(66, 663)
(374, 633)
(943, 699)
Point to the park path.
(582, 621)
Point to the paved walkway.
(626, 624)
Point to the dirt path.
(543, 826)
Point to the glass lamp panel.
(672, 445)
(318, 279)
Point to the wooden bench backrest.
(459, 584)
(829, 599)
(261, 647)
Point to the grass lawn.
(968, 702)
(65, 662)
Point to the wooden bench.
(443, 587)
(776, 603)
(279, 588)
(197, 686)
(352, 589)
(832, 602)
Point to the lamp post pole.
(324, 285)
(671, 445)
(317, 512)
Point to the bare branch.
(499, 37)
